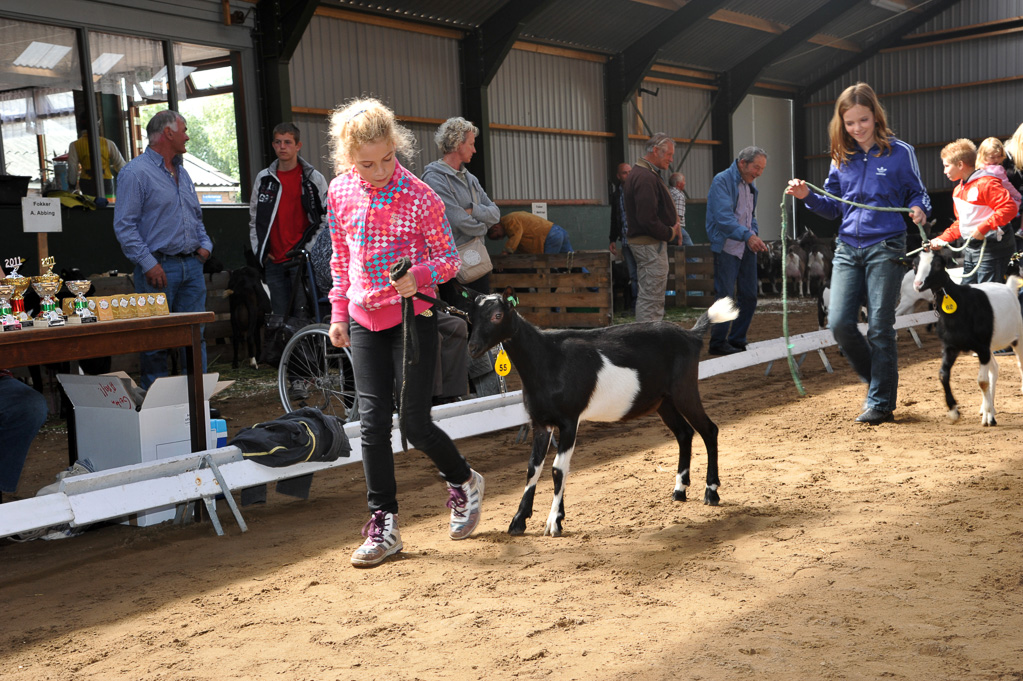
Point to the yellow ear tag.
(948, 306)
(502, 365)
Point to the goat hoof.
(679, 495)
(711, 498)
(517, 527)
(552, 528)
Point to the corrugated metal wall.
(677, 111)
(548, 91)
(413, 73)
(928, 120)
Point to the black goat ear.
(905, 261)
(508, 293)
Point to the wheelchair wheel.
(314, 373)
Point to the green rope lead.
(785, 299)
(784, 259)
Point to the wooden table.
(43, 345)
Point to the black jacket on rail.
(306, 434)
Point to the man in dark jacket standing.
(653, 224)
(286, 210)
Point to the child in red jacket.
(982, 205)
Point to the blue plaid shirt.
(155, 214)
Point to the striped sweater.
(370, 229)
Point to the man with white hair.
(653, 224)
(734, 239)
(158, 221)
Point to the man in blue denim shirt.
(158, 220)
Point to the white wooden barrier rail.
(119, 492)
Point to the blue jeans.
(377, 362)
(735, 277)
(186, 292)
(869, 276)
(995, 261)
(22, 414)
(557, 241)
(279, 280)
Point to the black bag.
(305, 434)
(279, 330)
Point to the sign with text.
(40, 214)
(540, 209)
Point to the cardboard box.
(112, 430)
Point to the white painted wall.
(767, 123)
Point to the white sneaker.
(382, 540)
(466, 503)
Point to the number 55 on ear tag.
(502, 365)
(948, 306)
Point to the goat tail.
(723, 310)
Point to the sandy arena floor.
(839, 551)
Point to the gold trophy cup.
(47, 285)
(82, 312)
(7, 319)
(20, 284)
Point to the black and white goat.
(986, 318)
(610, 374)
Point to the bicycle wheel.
(314, 373)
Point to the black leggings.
(377, 360)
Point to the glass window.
(128, 73)
(207, 103)
(44, 112)
(39, 79)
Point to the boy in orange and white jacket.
(982, 206)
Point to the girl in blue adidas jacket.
(869, 166)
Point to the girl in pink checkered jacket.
(379, 212)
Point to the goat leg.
(683, 432)
(986, 379)
(542, 438)
(559, 473)
(948, 358)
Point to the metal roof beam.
(741, 78)
(490, 44)
(913, 21)
(634, 62)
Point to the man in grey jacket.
(286, 210)
(468, 208)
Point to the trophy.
(82, 312)
(7, 320)
(20, 284)
(47, 285)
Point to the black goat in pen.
(610, 374)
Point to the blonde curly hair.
(361, 121)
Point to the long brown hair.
(842, 143)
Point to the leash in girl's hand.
(409, 337)
(409, 345)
